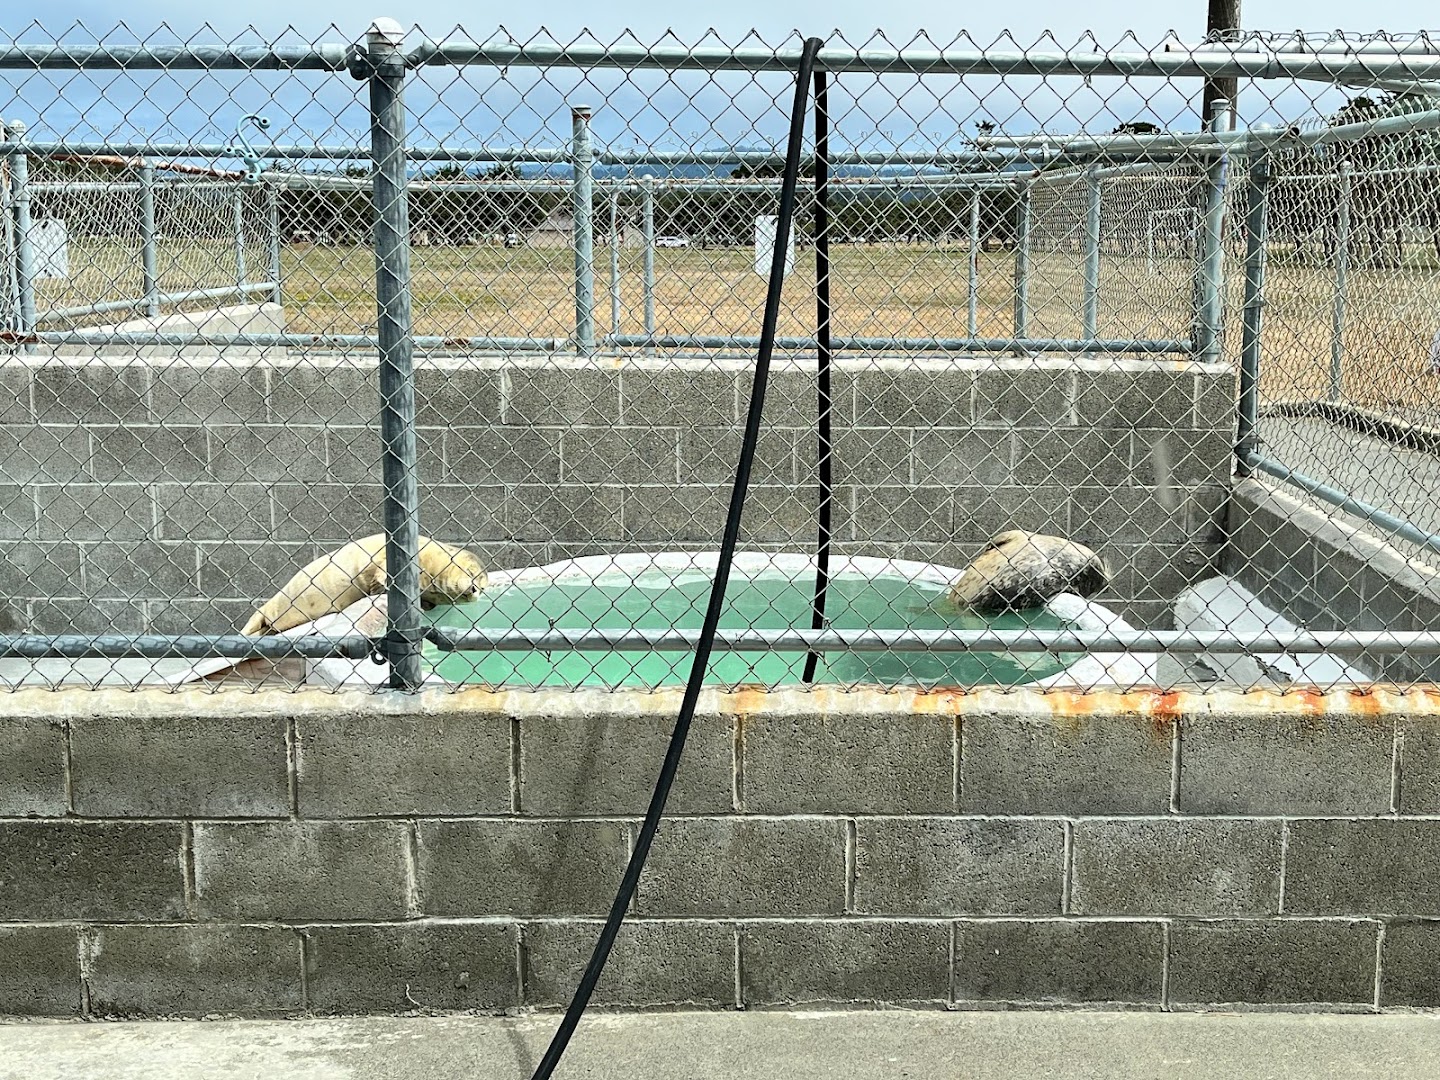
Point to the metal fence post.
(1022, 260)
(648, 267)
(24, 249)
(240, 237)
(8, 269)
(149, 268)
(1090, 317)
(386, 75)
(972, 322)
(583, 188)
(1342, 268)
(1257, 201)
(1210, 285)
(276, 295)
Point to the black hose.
(731, 538)
(823, 357)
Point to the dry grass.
(878, 291)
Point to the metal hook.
(244, 151)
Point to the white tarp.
(50, 241)
(765, 227)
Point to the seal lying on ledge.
(1023, 570)
(448, 575)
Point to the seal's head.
(449, 575)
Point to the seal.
(448, 575)
(1023, 570)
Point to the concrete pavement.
(740, 1046)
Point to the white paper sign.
(50, 242)
(765, 228)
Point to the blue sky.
(642, 109)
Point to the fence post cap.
(385, 32)
(16, 128)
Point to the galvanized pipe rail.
(182, 646)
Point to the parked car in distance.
(672, 241)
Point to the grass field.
(878, 291)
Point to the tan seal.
(448, 575)
(1023, 570)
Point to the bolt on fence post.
(1257, 201)
(1022, 260)
(1342, 268)
(24, 248)
(583, 229)
(275, 296)
(404, 632)
(149, 264)
(1090, 316)
(972, 322)
(615, 261)
(648, 268)
(1212, 249)
(240, 237)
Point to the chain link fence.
(1118, 397)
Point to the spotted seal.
(1023, 570)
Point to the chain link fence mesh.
(192, 427)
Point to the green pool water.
(662, 598)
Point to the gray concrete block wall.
(329, 855)
(175, 491)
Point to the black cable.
(731, 538)
(823, 357)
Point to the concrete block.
(91, 393)
(670, 962)
(1008, 960)
(983, 512)
(1363, 867)
(1205, 514)
(1419, 767)
(563, 397)
(1196, 456)
(198, 616)
(1070, 458)
(1080, 765)
(840, 764)
(32, 768)
(369, 969)
(255, 571)
(620, 455)
(183, 766)
(691, 513)
(569, 513)
(1026, 399)
(44, 455)
(1160, 572)
(17, 512)
(41, 569)
(900, 513)
(745, 866)
(365, 765)
(964, 458)
(708, 456)
(140, 570)
(345, 393)
(213, 511)
(193, 970)
(1410, 964)
(1102, 516)
(16, 401)
(938, 866)
(300, 870)
(456, 396)
(1284, 764)
(1126, 399)
(1176, 867)
(792, 399)
(331, 514)
(268, 453)
(519, 868)
(878, 457)
(207, 393)
(463, 514)
(352, 454)
(39, 971)
(95, 512)
(910, 398)
(607, 764)
(651, 395)
(868, 961)
(1273, 962)
(87, 617)
(493, 455)
(1216, 394)
(91, 870)
(146, 454)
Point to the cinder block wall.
(172, 493)
(1324, 574)
(264, 854)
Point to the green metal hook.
(246, 152)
